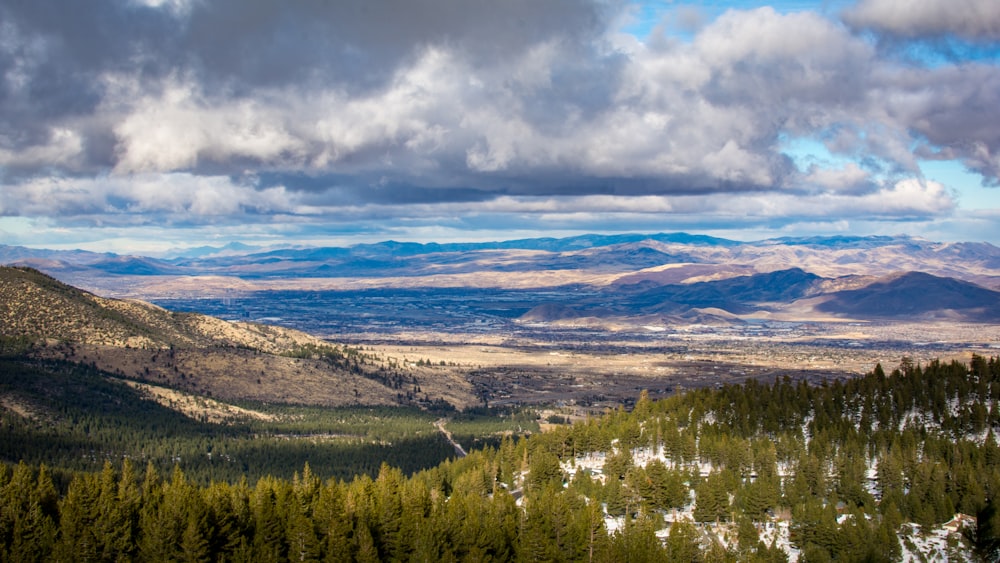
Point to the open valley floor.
(590, 364)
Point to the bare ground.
(195, 406)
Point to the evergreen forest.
(854, 470)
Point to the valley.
(587, 321)
(479, 336)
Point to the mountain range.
(791, 295)
(676, 276)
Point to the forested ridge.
(855, 470)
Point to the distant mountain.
(13, 254)
(836, 241)
(592, 241)
(626, 263)
(738, 294)
(231, 248)
(136, 266)
(915, 296)
(727, 297)
(547, 312)
(912, 296)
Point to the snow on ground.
(779, 532)
(592, 462)
(937, 545)
(871, 479)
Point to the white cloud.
(147, 198)
(849, 179)
(177, 127)
(680, 115)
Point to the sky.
(140, 126)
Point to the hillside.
(36, 306)
(737, 294)
(916, 295)
(900, 466)
(205, 355)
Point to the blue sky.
(145, 125)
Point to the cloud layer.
(227, 112)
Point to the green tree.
(28, 507)
(78, 514)
(544, 470)
(683, 543)
(712, 499)
(195, 546)
(636, 542)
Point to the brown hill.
(36, 306)
(205, 355)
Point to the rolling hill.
(204, 355)
(36, 306)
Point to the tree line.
(852, 466)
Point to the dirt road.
(439, 424)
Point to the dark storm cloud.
(975, 20)
(52, 54)
(261, 42)
(57, 58)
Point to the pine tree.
(332, 522)
(268, 524)
(389, 513)
(748, 540)
(228, 513)
(544, 470)
(33, 535)
(618, 464)
(712, 499)
(683, 543)
(195, 547)
(303, 545)
(163, 516)
(636, 542)
(78, 513)
(27, 527)
(814, 528)
(544, 527)
(367, 552)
